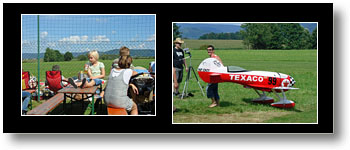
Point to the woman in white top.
(118, 84)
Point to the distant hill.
(195, 30)
(133, 52)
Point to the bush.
(203, 47)
(82, 57)
(109, 57)
(68, 56)
(53, 55)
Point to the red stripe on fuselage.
(263, 83)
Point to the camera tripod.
(190, 69)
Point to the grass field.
(218, 44)
(70, 69)
(236, 105)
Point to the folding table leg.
(93, 105)
(64, 102)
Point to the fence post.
(38, 94)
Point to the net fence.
(65, 40)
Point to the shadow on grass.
(79, 108)
(226, 104)
(181, 110)
(249, 101)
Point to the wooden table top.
(71, 90)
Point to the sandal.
(71, 81)
(83, 83)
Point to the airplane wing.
(284, 88)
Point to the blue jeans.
(97, 81)
(212, 90)
(26, 95)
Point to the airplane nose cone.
(292, 81)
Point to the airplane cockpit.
(235, 69)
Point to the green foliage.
(176, 31)
(53, 55)
(222, 36)
(276, 36)
(68, 56)
(109, 57)
(203, 47)
(82, 57)
(236, 105)
(219, 44)
(314, 39)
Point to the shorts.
(97, 81)
(179, 74)
(212, 90)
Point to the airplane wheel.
(284, 105)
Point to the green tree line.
(221, 36)
(52, 55)
(278, 36)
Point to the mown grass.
(72, 68)
(236, 100)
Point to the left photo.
(81, 65)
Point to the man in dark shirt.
(178, 62)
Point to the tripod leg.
(198, 81)
(186, 84)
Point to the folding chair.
(26, 78)
(26, 87)
(54, 80)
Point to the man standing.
(178, 62)
(212, 88)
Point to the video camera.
(187, 51)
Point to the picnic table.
(69, 90)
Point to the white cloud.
(84, 38)
(100, 38)
(151, 38)
(25, 42)
(113, 32)
(73, 39)
(43, 34)
(142, 46)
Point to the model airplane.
(212, 71)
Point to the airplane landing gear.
(283, 103)
(263, 99)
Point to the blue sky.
(78, 33)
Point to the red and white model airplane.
(212, 71)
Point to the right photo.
(245, 72)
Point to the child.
(96, 72)
(123, 51)
(212, 88)
(117, 86)
(57, 68)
